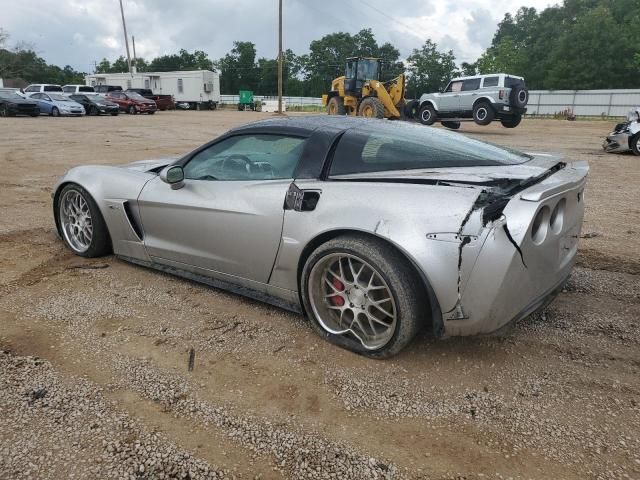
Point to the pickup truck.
(164, 102)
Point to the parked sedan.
(132, 102)
(95, 104)
(57, 104)
(374, 229)
(12, 104)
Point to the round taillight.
(540, 225)
(557, 216)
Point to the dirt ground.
(93, 353)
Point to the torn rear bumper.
(512, 277)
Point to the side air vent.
(135, 226)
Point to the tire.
(114, 114)
(132, 110)
(634, 144)
(511, 122)
(335, 106)
(371, 107)
(4, 111)
(411, 109)
(483, 113)
(100, 243)
(394, 276)
(151, 112)
(55, 112)
(427, 115)
(34, 114)
(451, 125)
(519, 96)
(93, 111)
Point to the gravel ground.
(94, 365)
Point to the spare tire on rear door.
(519, 96)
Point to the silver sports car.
(373, 229)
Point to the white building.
(198, 88)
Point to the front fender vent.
(135, 226)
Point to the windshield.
(367, 70)
(59, 97)
(136, 96)
(10, 96)
(396, 146)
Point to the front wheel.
(93, 111)
(4, 111)
(511, 122)
(634, 143)
(362, 295)
(151, 112)
(81, 224)
(371, 107)
(427, 115)
(132, 110)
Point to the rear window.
(491, 81)
(406, 147)
(510, 82)
(52, 88)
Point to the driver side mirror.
(173, 175)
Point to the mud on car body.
(374, 229)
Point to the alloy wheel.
(349, 296)
(76, 221)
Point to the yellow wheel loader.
(359, 92)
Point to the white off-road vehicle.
(481, 98)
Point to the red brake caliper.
(337, 300)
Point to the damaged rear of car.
(625, 136)
(515, 245)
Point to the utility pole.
(126, 38)
(279, 57)
(135, 63)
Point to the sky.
(81, 32)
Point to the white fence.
(291, 101)
(610, 103)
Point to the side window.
(247, 157)
(454, 87)
(180, 86)
(52, 88)
(37, 96)
(146, 83)
(471, 84)
(68, 89)
(45, 97)
(31, 89)
(490, 82)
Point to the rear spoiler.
(574, 175)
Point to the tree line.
(580, 44)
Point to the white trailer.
(197, 88)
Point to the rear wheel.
(4, 111)
(483, 113)
(362, 296)
(511, 122)
(634, 143)
(55, 112)
(451, 125)
(81, 224)
(427, 115)
(336, 106)
(114, 114)
(371, 107)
